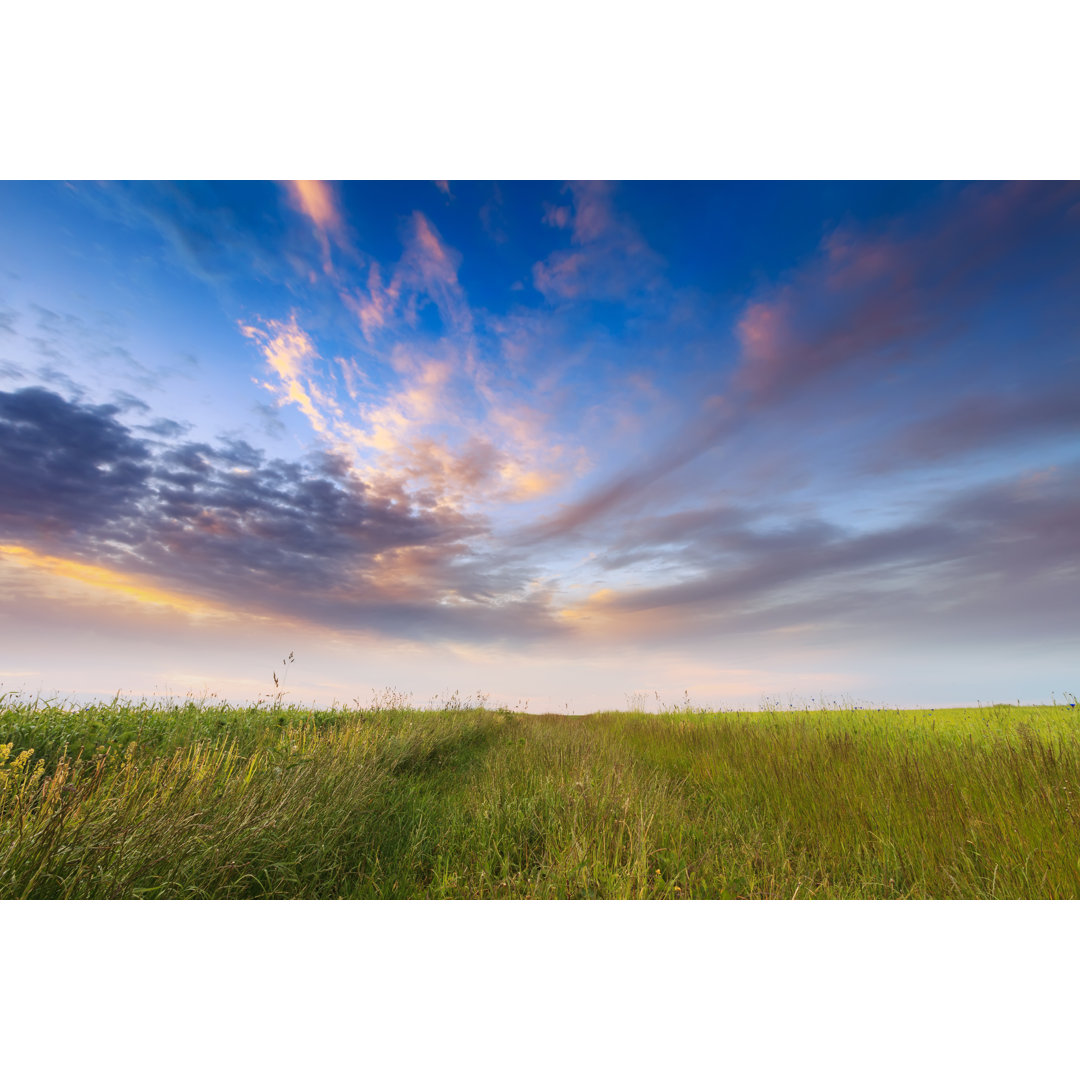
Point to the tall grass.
(132, 800)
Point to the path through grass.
(131, 800)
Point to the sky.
(569, 445)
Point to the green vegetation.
(214, 801)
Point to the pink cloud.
(870, 297)
(315, 199)
(608, 258)
(562, 275)
(375, 309)
(594, 217)
(428, 267)
(558, 217)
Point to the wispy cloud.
(608, 259)
(869, 297)
(426, 272)
(219, 241)
(113, 583)
(978, 553)
(884, 301)
(290, 356)
(426, 435)
(983, 421)
(316, 200)
(869, 429)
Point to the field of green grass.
(135, 800)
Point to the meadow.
(210, 800)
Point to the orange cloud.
(427, 434)
(316, 201)
(376, 309)
(290, 353)
(129, 586)
(428, 267)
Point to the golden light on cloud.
(289, 353)
(525, 484)
(315, 199)
(101, 578)
(595, 605)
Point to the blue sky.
(557, 442)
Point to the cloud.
(165, 428)
(62, 338)
(867, 298)
(290, 355)
(375, 309)
(221, 527)
(111, 582)
(316, 200)
(427, 271)
(608, 259)
(66, 467)
(983, 421)
(884, 301)
(126, 402)
(220, 232)
(444, 410)
(430, 267)
(632, 485)
(1003, 552)
(558, 217)
(227, 527)
(493, 216)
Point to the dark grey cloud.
(66, 467)
(226, 523)
(307, 539)
(165, 428)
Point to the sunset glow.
(558, 443)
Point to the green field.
(134, 800)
